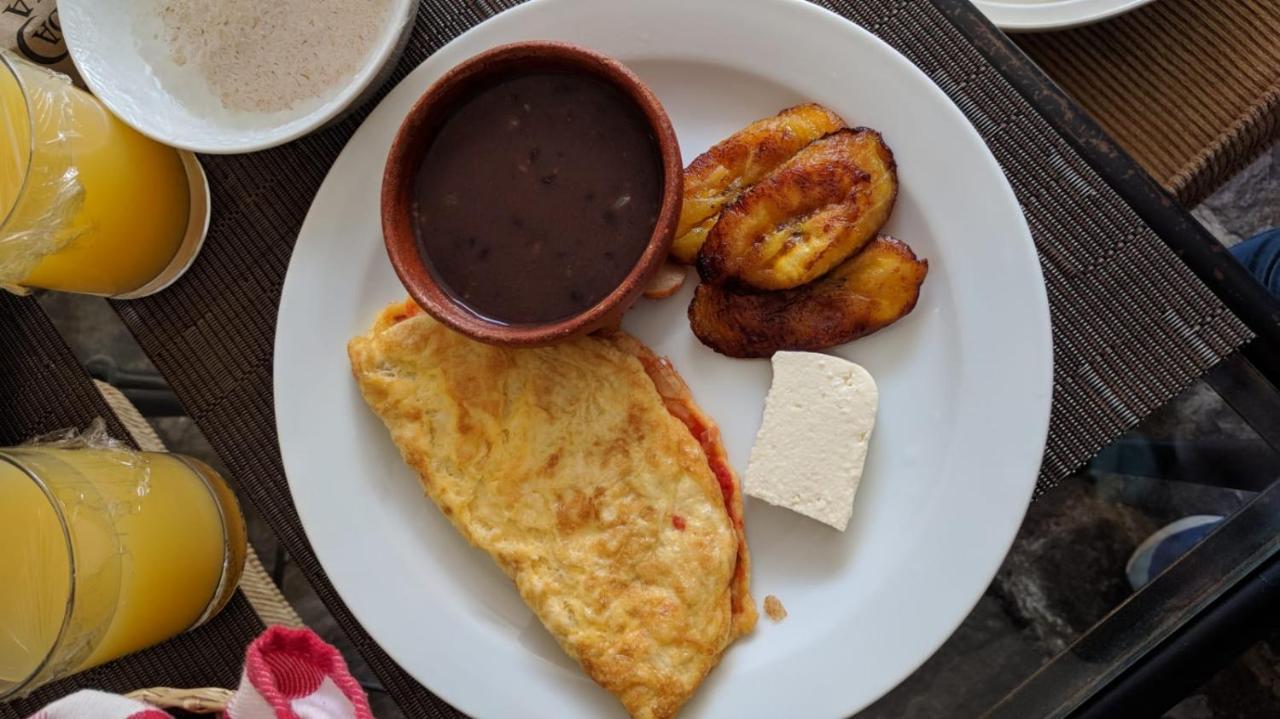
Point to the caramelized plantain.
(716, 177)
(809, 215)
(870, 290)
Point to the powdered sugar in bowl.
(234, 75)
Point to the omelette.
(593, 480)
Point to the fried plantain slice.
(716, 177)
(809, 215)
(871, 290)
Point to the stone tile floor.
(1065, 571)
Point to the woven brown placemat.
(1132, 325)
(1190, 88)
(43, 388)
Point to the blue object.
(1261, 255)
(1166, 545)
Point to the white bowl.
(119, 50)
(1040, 15)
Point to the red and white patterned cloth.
(288, 674)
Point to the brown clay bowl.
(414, 139)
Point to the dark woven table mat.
(1191, 88)
(1132, 325)
(43, 388)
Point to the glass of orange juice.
(87, 204)
(107, 552)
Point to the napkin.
(31, 29)
(288, 674)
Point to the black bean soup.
(537, 196)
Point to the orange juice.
(115, 551)
(35, 581)
(92, 205)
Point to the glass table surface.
(1060, 628)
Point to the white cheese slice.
(812, 444)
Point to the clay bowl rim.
(414, 137)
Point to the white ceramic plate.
(964, 380)
(119, 48)
(1029, 15)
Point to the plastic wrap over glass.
(40, 189)
(108, 551)
(87, 203)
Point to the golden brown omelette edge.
(679, 401)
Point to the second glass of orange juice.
(107, 552)
(87, 204)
